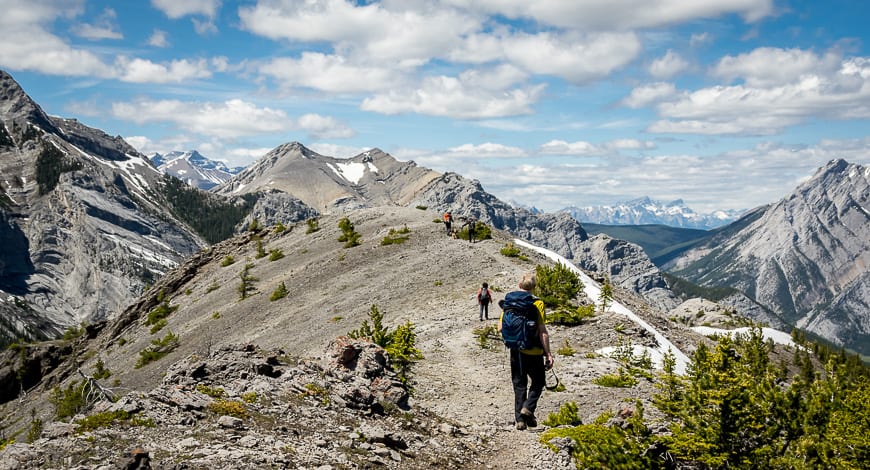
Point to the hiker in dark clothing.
(471, 224)
(528, 364)
(484, 298)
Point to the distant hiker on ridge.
(523, 330)
(448, 222)
(484, 298)
(470, 223)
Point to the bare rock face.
(274, 206)
(82, 220)
(805, 258)
(628, 267)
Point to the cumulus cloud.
(668, 65)
(159, 38)
(583, 148)
(779, 88)
(619, 14)
(323, 127)
(393, 33)
(104, 27)
(767, 172)
(329, 73)
(28, 44)
(577, 59)
(486, 150)
(648, 94)
(145, 71)
(462, 97)
(175, 9)
(768, 66)
(228, 120)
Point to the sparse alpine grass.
(229, 408)
(485, 334)
(110, 418)
(157, 318)
(279, 293)
(158, 349)
(566, 416)
(313, 225)
(276, 254)
(395, 237)
(566, 349)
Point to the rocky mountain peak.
(804, 258)
(18, 109)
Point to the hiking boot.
(521, 425)
(529, 418)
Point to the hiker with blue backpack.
(524, 332)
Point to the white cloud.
(486, 150)
(329, 73)
(765, 174)
(104, 27)
(768, 66)
(159, 38)
(630, 144)
(619, 14)
(144, 71)
(461, 97)
(179, 8)
(28, 44)
(324, 127)
(227, 120)
(578, 59)
(392, 33)
(584, 149)
(668, 65)
(700, 38)
(745, 109)
(560, 147)
(648, 94)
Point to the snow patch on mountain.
(593, 290)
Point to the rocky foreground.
(242, 407)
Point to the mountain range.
(193, 168)
(646, 211)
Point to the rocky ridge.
(462, 396)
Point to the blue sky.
(727, 104)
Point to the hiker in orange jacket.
(448, 222)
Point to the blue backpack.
(519, 326)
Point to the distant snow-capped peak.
(193, 168)
(644, 210)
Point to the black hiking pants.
(524, 368)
